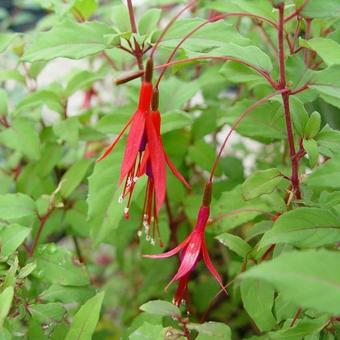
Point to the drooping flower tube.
(192, 249)
(145, 155)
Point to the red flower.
(192, 247)
(145, 154)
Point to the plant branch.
(285, 98)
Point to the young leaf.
(6, 40)
(148, 22)
(235, 243)
(317, 9)
(311, 147)
(258, 298)
(86, 319)
(313, 125)
(304, 227)
(261, 182)
(292, 272)
(160, 307)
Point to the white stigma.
(120, 199)
(135, 179)
(126, 210)
(152, 241)
(139, 233)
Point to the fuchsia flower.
(192, 248)
(145, 155)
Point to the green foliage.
(71, 265)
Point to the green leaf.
(160, 307)
(6, 298)
(86, 319)
(261, 182)
(213, 35)
(82, 80)
(68, 130)
(311, 147)
(325, 176)
(83, 9)
(68, 39)
(67, 294)
(292, 272)
(313, 125)
(41, 97)
(175, 120)
(203, 155)
(15, 206)
(211, 330)
(11, 237)
(329, 139)
(47, 313)
(327, 49)
(235, 243)
(317, 9)
(74, 176)
(258, 298)
(22, 136)
(304, 227)
(27, 270)
(148, 331)
(240, 211)
(148, 23)
(104, 212)
(327, 83)
(299, 114)
(56, 265)
(6, 40)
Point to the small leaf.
(299, 114)
(311, 147)
(235, 243)
(5, 303)
(258, 299)
(27, 270)
(313, 125)
(317, 9)
(11, 237)
(292, 272)
(261, 182)
(304, 227)
(86, 319)
(160, 307)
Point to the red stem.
(132, 16)
(297, 12)
(285, 98)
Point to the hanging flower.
(193, 248)
(145, 155)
